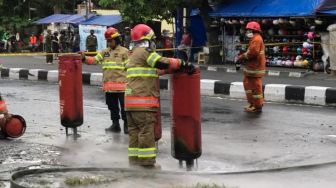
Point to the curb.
(315, 95)
(294, 74)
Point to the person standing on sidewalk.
(113, 60)
(91, 42)
(33, 42)
(55, 44)
(4, 116)
(48, 49)
(255, 68)
(142, 94)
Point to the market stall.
(99, 24)
(291, 30)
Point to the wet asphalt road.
(282, 136)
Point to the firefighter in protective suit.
(113, 60)
(4, 116)
(254, 69)
(142, 94)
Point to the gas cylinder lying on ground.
(15, 127)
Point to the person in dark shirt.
(48, 48)
(91, 42)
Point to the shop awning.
(63, 18)
(76, 18)
(55, 18)
(107, 20)
(330, 12)
(327, 7)
(266, 8)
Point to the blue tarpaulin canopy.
(63, 18)
(107, 20)
(266, 8)
(55, 18)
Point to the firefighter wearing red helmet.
(254, 69)
(142, 93)
(4, 116)
(113, 60)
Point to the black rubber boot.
(125, 127)
(115, 127)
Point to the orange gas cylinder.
(15, 127)
(186, 116)
(70, 90)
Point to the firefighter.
(142, 94)
(255, 68)
(91, 42)
(113, 60)
(4, 116)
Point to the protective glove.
(187, 67)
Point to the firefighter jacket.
(3, 107)
(113, 64)
(255, 56)
(143, 89)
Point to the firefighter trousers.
(114, 101)
(253, 91)
(141, 148)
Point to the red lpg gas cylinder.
(15, 127)
(186, 116)
(70, 90)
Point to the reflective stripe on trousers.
(114, 86)
(141, 101)
(253, 90)
(142, 152)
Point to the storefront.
(99, 24)
(291, 30)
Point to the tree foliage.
(17, 14)
(143, 10)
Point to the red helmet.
(111, 33)
(142, 32)
(253, 26)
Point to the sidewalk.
(313, 95)
(270, 71)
